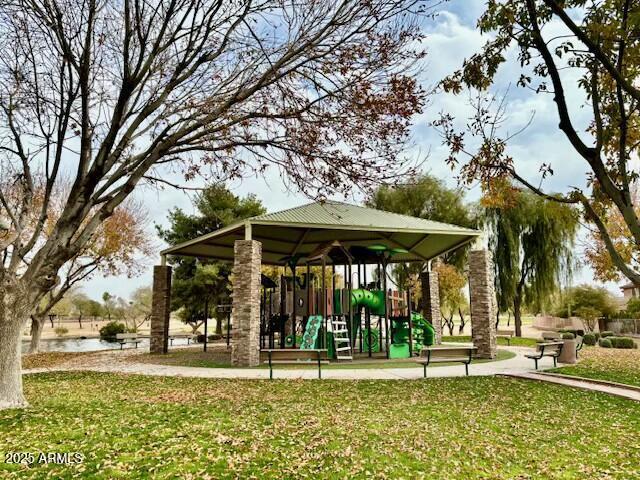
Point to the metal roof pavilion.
(300, 230)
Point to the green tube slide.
(373, 300)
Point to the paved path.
(611, 388)
(123, 362)
(516, 367)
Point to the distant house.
(630, 291)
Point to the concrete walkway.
(516, 367)
(618, 389)
(124, 362)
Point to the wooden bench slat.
(295, 357)
(283, 356)
(122, 336)
(293, 362)
(125, 338)
(546, 349)
(447, 354)
(444, 360)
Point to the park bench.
(293, 356)
(547, 349)
(188, 336)
(506, 334)
(124, 338)
(439, 354)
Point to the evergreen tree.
(202, 282)
(429, 198)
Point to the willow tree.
(119, 94)
(532, 242)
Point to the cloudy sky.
(452, 37)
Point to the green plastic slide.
(312, 333)
(423, 332)
(428, 333)
(372, 299)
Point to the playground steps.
(341, 339)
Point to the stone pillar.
(482, 300)
(431, 302)
(245, 347)
(160, 309)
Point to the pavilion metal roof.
(301, 230)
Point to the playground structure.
(336, 293)
(340, 310)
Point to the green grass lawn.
(611, 364)
(450, 428)
(195, 357)
(515, 341)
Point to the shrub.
(60, 331)
(568, 336)
(607, 333)
(622, 342)
(605, 343)
(590, 339)
(576, 331)
(111, 329)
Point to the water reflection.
(87, 344)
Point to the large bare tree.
(119, 93)
(586, 49)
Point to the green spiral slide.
(423, 335)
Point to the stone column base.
(245, 347)
(160, 309)
(431, 302)
(482, 299)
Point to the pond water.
(87, 344)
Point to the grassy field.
(215, 358)
(463, 428)
(49, 359)
(612, 364)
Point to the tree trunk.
(517, 316)
(463, 322)
(37, 324)
(80, 321)
(218, 325)
(51, 320)
(448, 322)
(11, 395)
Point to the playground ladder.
(341, 338)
